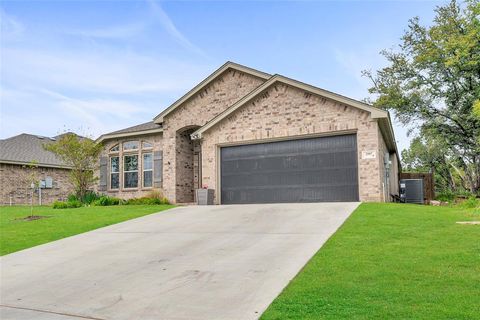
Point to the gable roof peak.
(227, 65)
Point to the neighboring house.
(255, 137)
(16, 155)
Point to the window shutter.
(157, 169)
(103, 174)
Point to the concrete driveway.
(210, 262)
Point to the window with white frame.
(148, 170)
(115, 148)
(114, 172)
(130, 171)
(130, 145)
(147, 145)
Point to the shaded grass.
(390, 261)
(18, 234)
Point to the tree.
(82, 155)
(429, 154)
(28, 177)
(433, 80)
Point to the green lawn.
(390, 261)
(17, 234)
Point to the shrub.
(72, 197)
(446, 196)
(165, 200)
(90, 197)
(471, 203)
(59, 205)
(147, 201)
(155, 194)
(72, 203)
(107, 201)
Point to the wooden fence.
(428, 183)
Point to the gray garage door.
(306, 170)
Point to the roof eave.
(127, 134)
(36, 164)
(386, 128)
(228, 65)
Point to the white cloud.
(10, 27)
(102, 71)
(170, 27)
(46, 112)
(113, 32)
(78, 79)
(354, 62)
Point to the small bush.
(155, 194)
(471, 203)
(90, 197)
(165, 200)
(446, 196)
(107, 201)
(147, 201)
(59, 205)
(67, 204)
(72, 197)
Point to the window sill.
(130, 189)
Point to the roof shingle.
(25, 148)
(150, 125)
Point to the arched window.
(115, 148)
(147, 145)
(130, 145)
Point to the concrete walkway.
(210, 262)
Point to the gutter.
(127, 134)
(42, 165)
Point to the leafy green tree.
(82, 155)
(433, 80)
(428, 154)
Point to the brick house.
(16, 155)
(255, 137)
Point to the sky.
(99, 66)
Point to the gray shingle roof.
(139, 127)
(26, 148)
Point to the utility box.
(48, 183)
(205, 196)
(411, 191)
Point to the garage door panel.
(290, 194)
(306, 170)
(282, 162)
(322, 176)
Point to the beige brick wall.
(157, 141)
(187, 177)
(391, 184)
(220, 94)
(394, 175)
(385, 184)
(284, 111)
(15, 185)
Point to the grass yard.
(17, 234)
(390, 261)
